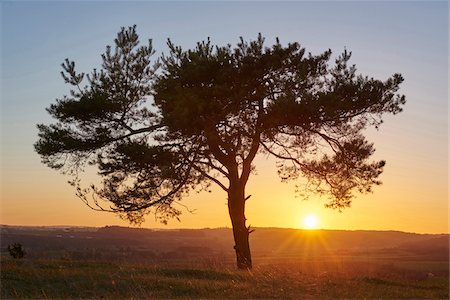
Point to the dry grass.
(61, 279)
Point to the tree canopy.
(157, 129)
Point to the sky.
(385, 38)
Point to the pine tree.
(157, 130)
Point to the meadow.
(62, 279)
(63, 265)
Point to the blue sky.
(385, 38)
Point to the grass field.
(322, 279)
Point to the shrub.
(16, 250)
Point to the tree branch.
(256, 138)
(213, 179)
(211, 165)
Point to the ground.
(125, 263)
(320, 279)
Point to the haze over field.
(270, 245)
(385, 37)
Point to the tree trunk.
(236, 208)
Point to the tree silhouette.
(157, 130)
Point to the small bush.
(16, 250)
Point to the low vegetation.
(59, 279)
(16, 251)
(124, 263)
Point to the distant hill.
(116, 242)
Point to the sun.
(310, 222)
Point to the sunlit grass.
(320, 280)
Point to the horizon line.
(219, 227)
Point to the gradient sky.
(385, 38)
